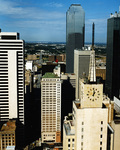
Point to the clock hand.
(93, 93)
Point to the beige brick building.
(86, 129)
(51, 108)
(7, 135)
(89, 121)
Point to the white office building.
(11, 76)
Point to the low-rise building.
(7, 135)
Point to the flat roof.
(68, 129)
(50, 75)
(8, 126)
(75, 5)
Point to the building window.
(100, 136)
(81, 143)
(82, 123)
(82, 129)
(101, 129)
(68, 145)
(100, 143)
(101, 122)
(73, 140)
(100, 148)
(81, 136)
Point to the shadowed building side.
(113, 56)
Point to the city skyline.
(46, 20)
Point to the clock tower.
(91, 93)
(89, 124)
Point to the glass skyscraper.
(113, 56)
(75, 28)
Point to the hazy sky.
(45, 20)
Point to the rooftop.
(69, 127)
(75, 5)
(116, 15)
(9, 126)
(50, 75)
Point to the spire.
(92, 67)
(93, 27)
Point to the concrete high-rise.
(51, 108)
(11, 76)
(81, 65)
(86, 128)
(75, 28)
(113, 56)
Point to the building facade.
(11, 76)
(113, 56)
(86, 128)
(51, 108)
(75, 28)
(115, 124)
(8, 135)
(81, 65)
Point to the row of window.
(3, 58)
(12, 45)
(1, 52)
(49, 130)
(49, 90)
(69, 145)
(48, 79)
(7, 48)
(49, 93)
(8, 135)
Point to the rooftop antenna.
(93, 34)
(92, 67)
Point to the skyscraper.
(11, 76)
(75, 28)
(87, 128)
(51, 108)
(113, 56)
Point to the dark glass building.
(113, 56)
(75, 28)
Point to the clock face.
(93, 94)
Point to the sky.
(45, 20)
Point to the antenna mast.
(93, 34)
